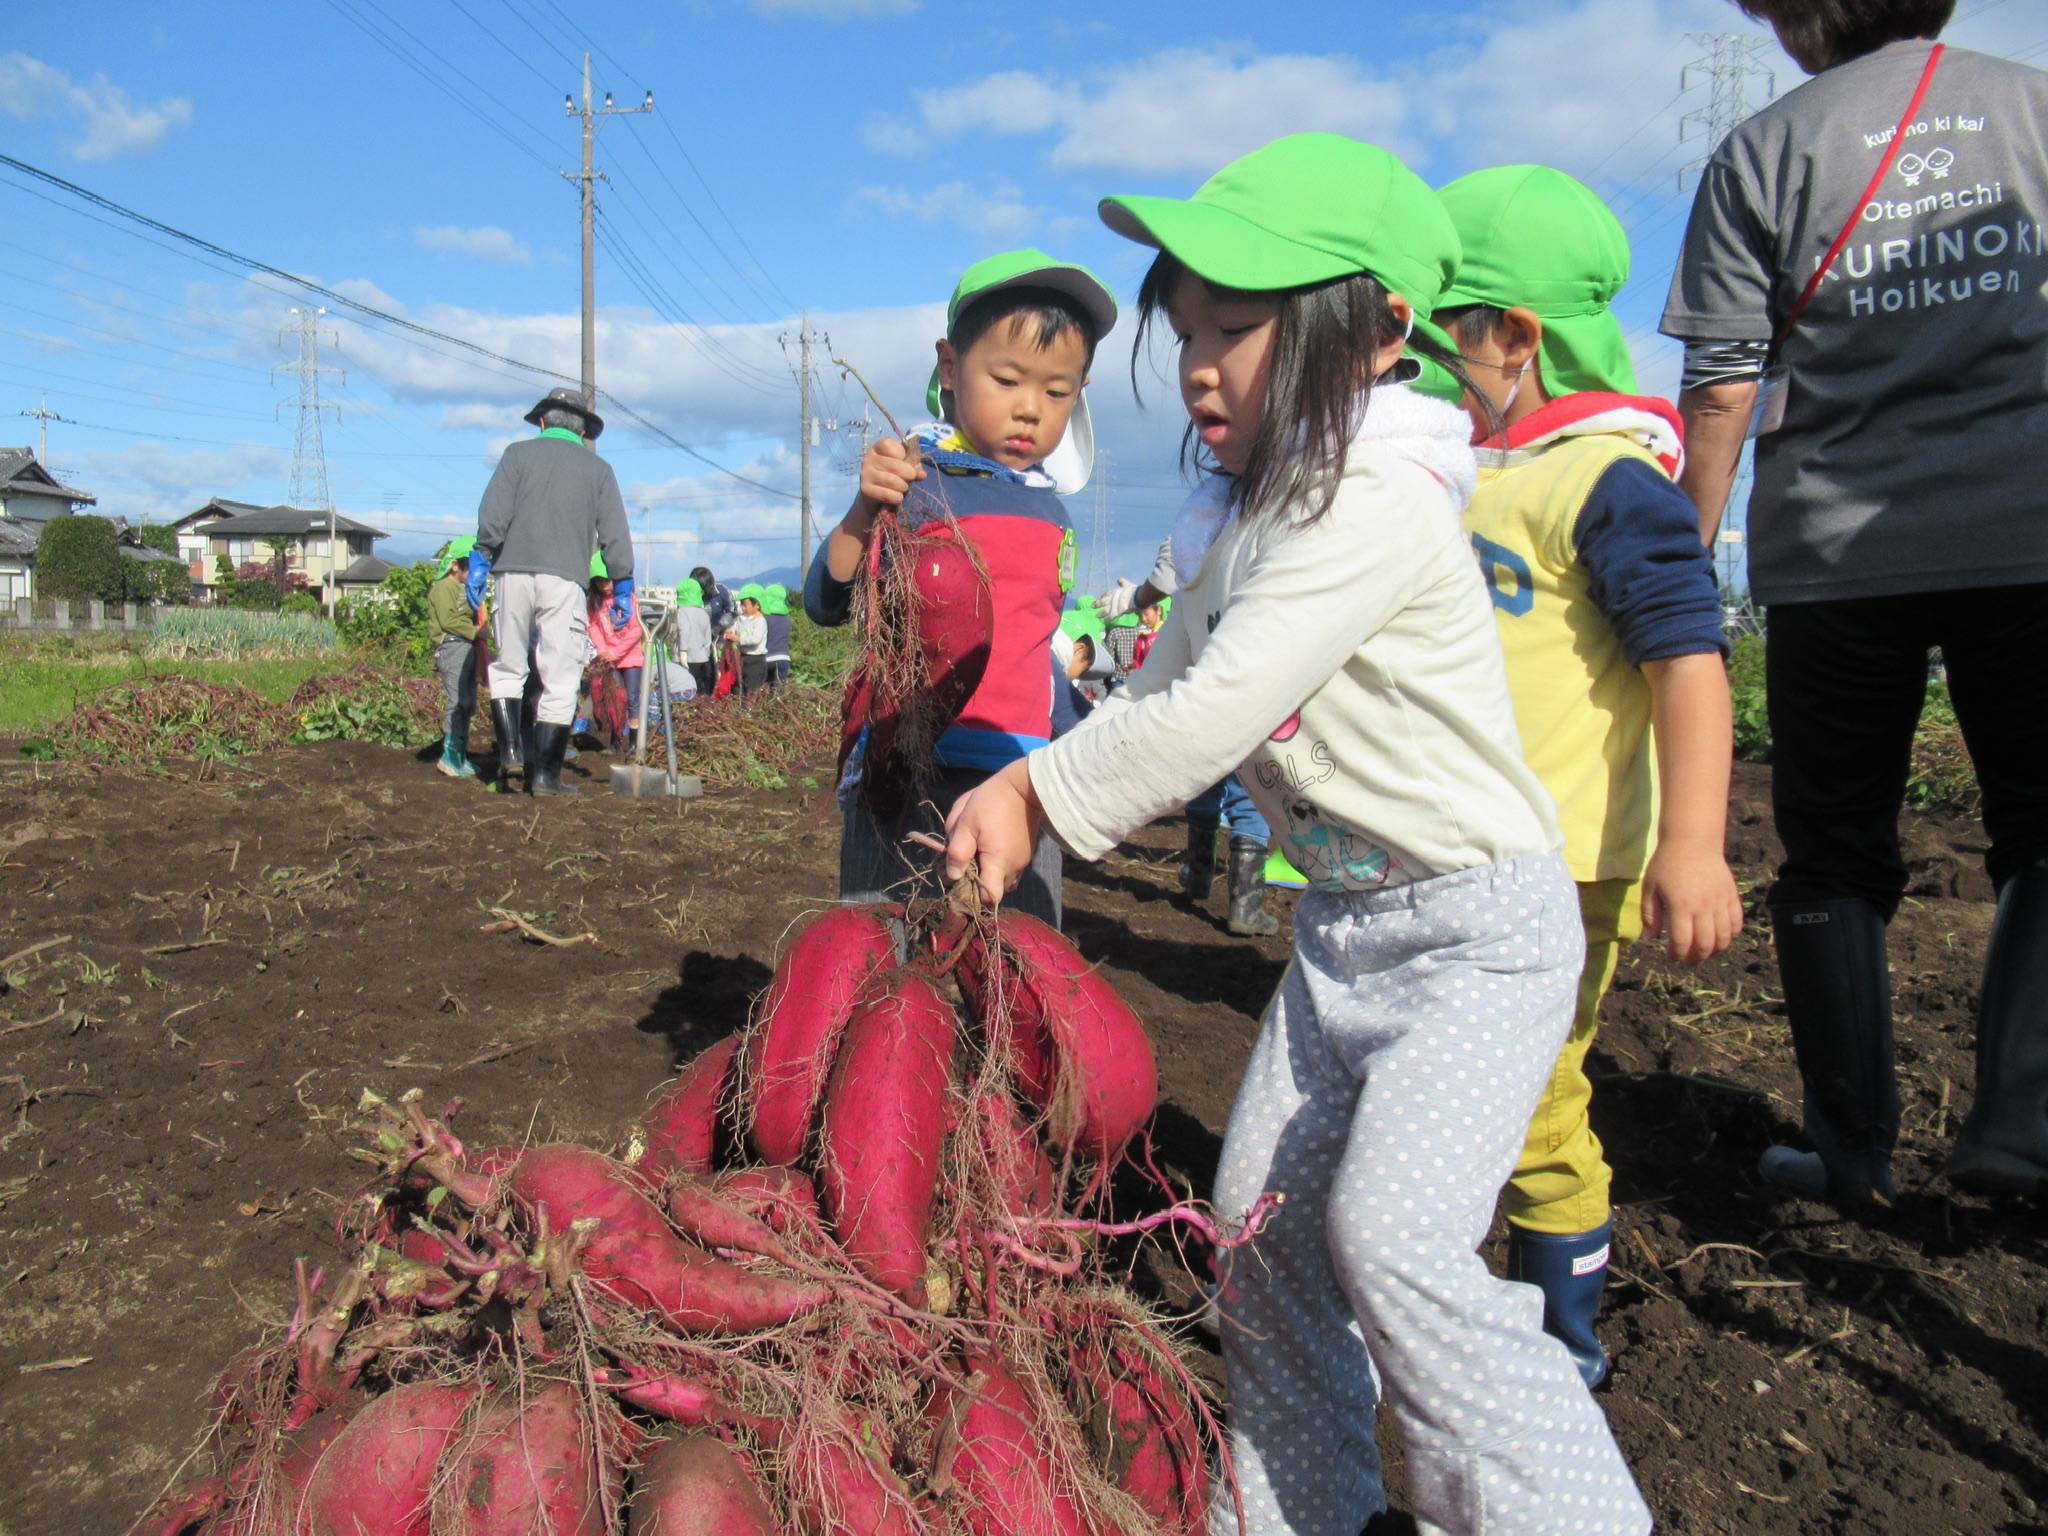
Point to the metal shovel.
(636, 779)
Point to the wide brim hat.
(1308, 208)
(1073, 461)
(1535, 238)
(568, 399)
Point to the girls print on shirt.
(1332, 855)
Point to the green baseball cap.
(453, 551)
(689, 593)
(1535, 238)
(597, 567)
(1307, 208)
(1073, 461)
(775, 598)
(752, 589)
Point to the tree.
(78, 557)
(156, 581)
(157, 536)
(394, 615)
(279, 546)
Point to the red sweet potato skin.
(884, 1125)
(694, 1485)
(841, 1489)
(1003, 1482)
(377, 1476)
(682, 1128)
(307, 1448)
(1022, 1172)
(1144, 1435)
(525, 1466)
(789, 1051)
(1103, 1082)
(777, 1195)
(633, 1254)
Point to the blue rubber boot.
(1570, 1269)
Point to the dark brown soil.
(174, 1125)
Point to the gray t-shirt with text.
(1914, 454)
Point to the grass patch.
(37, 691)
(233, 634)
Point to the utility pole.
(308, 489)
(806, 432)
(1731, 63)
(44, 415)
(588, 178)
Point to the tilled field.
(248, 950)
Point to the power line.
(342, 299)
(1731, 63)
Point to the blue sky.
(848, 157)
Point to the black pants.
(705, 675)
(753, 674)
(879, 863)
(1846, 682)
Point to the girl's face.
(1226, 343)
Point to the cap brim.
(1072, 463)
(1096, 301)
(1218, 245)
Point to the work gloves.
(479, 575)
(622, 601)
(1116, 602)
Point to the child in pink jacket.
(622, 643)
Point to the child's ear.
(949, 365)
(1521, 336)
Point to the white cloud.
(113, 125)
(1183, 109)
(486, 244)
(1002, 213)
(154, 482)
(833, 10)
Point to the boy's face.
(1503, 363)
(749, 607)
(1152, 617)
(1083, 657)
(1012, 398)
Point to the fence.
(56, 613)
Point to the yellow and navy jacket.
(1594, 562)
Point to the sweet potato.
(840, 1485)
(528, 1464)
(682, 1128)
(782, 1197)
(884, 1125)
(668, 1394)
(703, 1215)
(376, 1478)
(634, 1256)
(186, 1507)
(695, 1485)
(1143, 1436)
(1004, 1482)
(1050, 1005)
(1021, 1171)
(304, 1451)
(789, 1050)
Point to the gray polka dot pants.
(1389, 1094)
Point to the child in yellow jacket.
(1610, 621)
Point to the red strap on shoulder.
(1891, 150)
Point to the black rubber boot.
(1571, 1272)
(1838, 996)
(544, 775)
(1199, 873)
(508, 719)
(1248, 915)
(2003, 1147)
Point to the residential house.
(241, 532)
(29, 497)
(30, 492)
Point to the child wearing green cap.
(1021, 333)
(453, 626)
(1611, 623)
(775, 609)
(750, 633)
(1437, 950)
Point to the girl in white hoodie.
(1438, 949)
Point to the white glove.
(1116, 602)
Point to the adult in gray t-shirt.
(1902, 505)
(1911, 455)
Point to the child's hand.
(995, 826)
(887, 472)
(1690, 901)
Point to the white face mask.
(1516, 388)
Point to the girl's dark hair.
(1840, 30)
(1317, 388)
(1052, 312)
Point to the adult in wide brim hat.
(568, 400)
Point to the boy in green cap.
(452, 625)
(1437, 952)
(1611, 623)
(775, 609)
(1014, 435)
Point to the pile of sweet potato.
(849, 1278)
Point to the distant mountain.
(788, 575)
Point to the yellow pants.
(1560, 1181)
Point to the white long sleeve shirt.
(1351, 669)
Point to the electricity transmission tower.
(1730, 65)
(807, 433)
(308, 489)
(588, 178)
